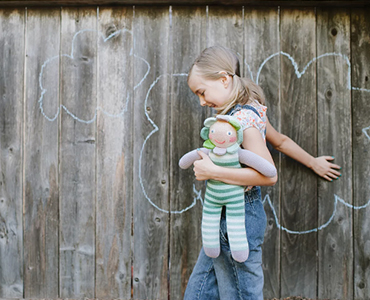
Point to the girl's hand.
(204, 167)
(321, 166)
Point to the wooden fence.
(95, 113)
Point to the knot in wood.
(110, 30)
(329, 94)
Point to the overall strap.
(240, 107)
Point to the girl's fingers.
(327, 178)
(333, 166)
(329, 157)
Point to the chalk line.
(300, 73)
(336, 200)
(364, 130)
(197, 194)
(98, 108)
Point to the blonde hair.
(212, 64)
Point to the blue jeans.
(222, 277)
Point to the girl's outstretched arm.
(205, 169)
(320, 165)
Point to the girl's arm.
(320, 165)
(205, 169)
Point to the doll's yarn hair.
(216, 59)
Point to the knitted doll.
(223, 136)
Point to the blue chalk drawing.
(71, 56)
(197, 194)
(321, 227)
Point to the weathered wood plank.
(360, 45)
(151, 153)
(11, 129)
(41, 203)
(335, 254)
(187, 116)
(261, 41)
(77, 153)
(114, 154)
(225, 28)
(299, 185)
(295, 3)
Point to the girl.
(215, 79)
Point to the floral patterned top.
(248, 118)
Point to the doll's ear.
(235, 123)
(209, 122)
(204, 133)
(240, 136)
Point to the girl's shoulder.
(253, 109)
(251, 115)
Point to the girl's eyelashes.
(202, 93)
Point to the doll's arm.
(257, 162)
(189, 158)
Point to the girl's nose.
(202, 101)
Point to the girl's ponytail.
(244, 91)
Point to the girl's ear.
(225, 80)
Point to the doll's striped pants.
(220, 194)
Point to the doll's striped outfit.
(220, 194)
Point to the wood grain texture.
(114, 154)
(77, 154)
(41, 203)
(299, 185)
(11, 127)
(187, 116)
(360, 45)
(151, 153)
(261, 41)
(335, 254)
(295, 3)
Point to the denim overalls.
(222, 277)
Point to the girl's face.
(212, 93)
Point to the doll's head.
(222, 132)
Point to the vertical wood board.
(41, 230)
(360, 46)
(77, 152)
(298, 115)
(11, 168)
(114, 154)
(151, 153)
(334, 138)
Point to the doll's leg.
(211, 228)
(235, 220)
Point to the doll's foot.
(212, 252)
(240, 255)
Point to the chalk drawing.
(70, 56)
(300, 73)
(321, 227)
(197, 194)
(365, 131)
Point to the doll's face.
(222, 134)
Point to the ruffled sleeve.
(248, 118)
